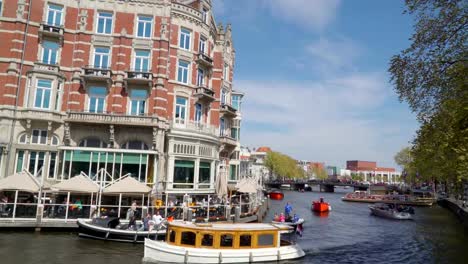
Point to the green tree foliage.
(320, 173)
(281, 165)
(432, 77)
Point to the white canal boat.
(223, 243)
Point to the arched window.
(22, 139)
(92, 143)
(54, 141)
(135, 144)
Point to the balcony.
(195, 127)
(51, 31)
(112, 119)
(96, 74)
(32, 114)
(227, 110)
(227, 140)
(46, 68)
(204, 94)
(205, 60)
(139, 77)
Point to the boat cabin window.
(207, 240)
(172, 234)
(188, 238)
(226, 240)
(265, 240)
(245, 240)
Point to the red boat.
(320, 206)
(276, 195)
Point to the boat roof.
(232, 226)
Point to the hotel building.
(110, 88)
(372, 173)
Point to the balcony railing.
(227, 110)
(112, 118)
(226, 139)
(205, 60)
(93, 73)
(139, 77)
(204, 94)
(51, 31)
(195, 127)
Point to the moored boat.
(320, 206)
(276, 194)
(112, 230)
(223, 243)
(384, 210)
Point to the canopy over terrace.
(79, 184)
(247, 185)
(21, 181)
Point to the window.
(91, 143)
(233, 172)
(204, 13)
(184, 41)
(142, 58)
(222, 127)
(135, 144)
(54, 15)
(226, 240)
(104, 21)
(188, 238)
(97, 97)
(49, 52)
(22, 139)
(236, 102)
(19, 160)
(245, 240)
(181, 110)
(224, 96)
(226, 72)
(184, 173)
(101, 57)
(207, 240)
(182, 71)
(39, 137)
(138, 101)
(52, 165)
(265, 240)
(43, 94)
(54, 141)
(204, 173)
(202, 47)
(144, 26)
(1, 7)
(172, 235)
(235, 133)
(198, 113)
(36, 162)
(200, 77)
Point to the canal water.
(348, 234)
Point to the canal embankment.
(456, 206)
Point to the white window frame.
(146, 23)
(55, 12)
(40, 136)
(36, 169)
(49, 59)
(139, 100)
(204, 11)
(105, 18)
(224, 96)
(95, 52)
(198, 113)
(185, 38)
(202, 47)
(226, 72)
(136, 57)
(104, 106)
(200, 77)
(181, 120)
(43, 90)
(1, 7)
(183, 70)
(54, 173)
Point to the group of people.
(149, 222)
(286, 216)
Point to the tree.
(424, 73)
(281, 165)
(320, 173)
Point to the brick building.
(118, 87)
(373, 173)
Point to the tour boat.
(364, 197)
(223, 243)
(111, 229)
(320, 206)
(276, 195)
(383, 210)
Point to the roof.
(79, 183)
(263, 149)
(21, 181)
(232, 227)
(127, 185)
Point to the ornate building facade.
(111, 88)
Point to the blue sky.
(315, 77)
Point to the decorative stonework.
(67, 136)
(83, 20)
(20, 10)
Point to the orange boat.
(276, 195)
(320, 206)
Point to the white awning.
(79, 183)
(127, 185)
(21, 181)
(247, 185)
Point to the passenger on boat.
(132, 223)
(287, 209)
(282, 218)
(157, 218)
(276, 218)
(295, 218)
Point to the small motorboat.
(223, 243)
(320, 206)
(112, 229)
(276, 194)
(289, 223)
(386, 211)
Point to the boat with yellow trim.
(188, 242)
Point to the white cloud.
(312, 14)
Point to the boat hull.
(320, 207)
(390, 214)
(160, 251)
(413, 203)
(300, 221)
(88, 230)
(276, 195)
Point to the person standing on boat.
(287, 209)
(157, 218)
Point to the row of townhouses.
(113, 88)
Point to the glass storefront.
(204, 173)
(184, 171)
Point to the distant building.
(258, 168)
(373, 173)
